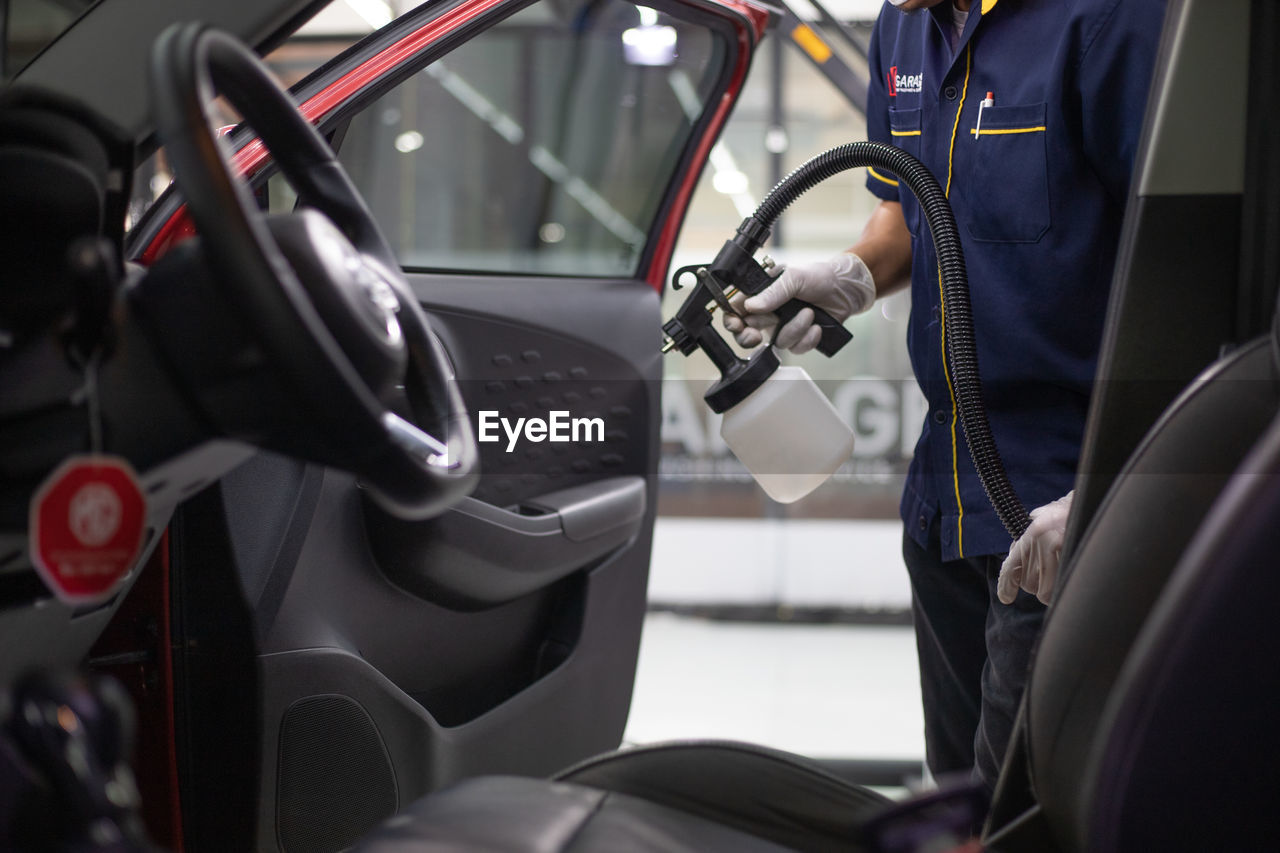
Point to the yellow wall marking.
(811, 43)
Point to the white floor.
(797, 562)
(825, 691)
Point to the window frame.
(739, 24)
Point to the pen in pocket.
(988, 101)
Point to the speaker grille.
(335, 780)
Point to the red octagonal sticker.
(86, 527)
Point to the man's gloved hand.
(1033, 560)
(841, 286)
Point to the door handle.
(477, 555)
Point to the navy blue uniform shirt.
(1038, 190)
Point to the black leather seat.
(1123, 564)
(1190, 733)
(1094, 756)
(693, 796)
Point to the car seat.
(63, 180)
(1185, 754)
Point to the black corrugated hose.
(962, 351)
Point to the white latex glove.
(1033, 560)
(841, 286)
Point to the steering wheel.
(319, 290)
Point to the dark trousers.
(974, 652)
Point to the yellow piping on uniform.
(988, 5)
(879, 177)
(904, 132)
(946, 371)
(955, 128)
(1003, 131)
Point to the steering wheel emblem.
(381, 304)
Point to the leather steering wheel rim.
(410, 471)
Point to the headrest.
(64, 176)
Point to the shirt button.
(940, 417)
(951, 92)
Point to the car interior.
(351, 625)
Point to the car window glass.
(29, 26)
(544, 145)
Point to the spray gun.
(776, 421)
(787, 433)
(734, 271)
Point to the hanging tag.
(86, 525)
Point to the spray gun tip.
(667, 345)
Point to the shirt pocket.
(904, 128)
(1008, 181)
(904, 132)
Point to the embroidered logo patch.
(905, 83)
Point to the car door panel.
(512, 689)
(597, 361)
(473, 671)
